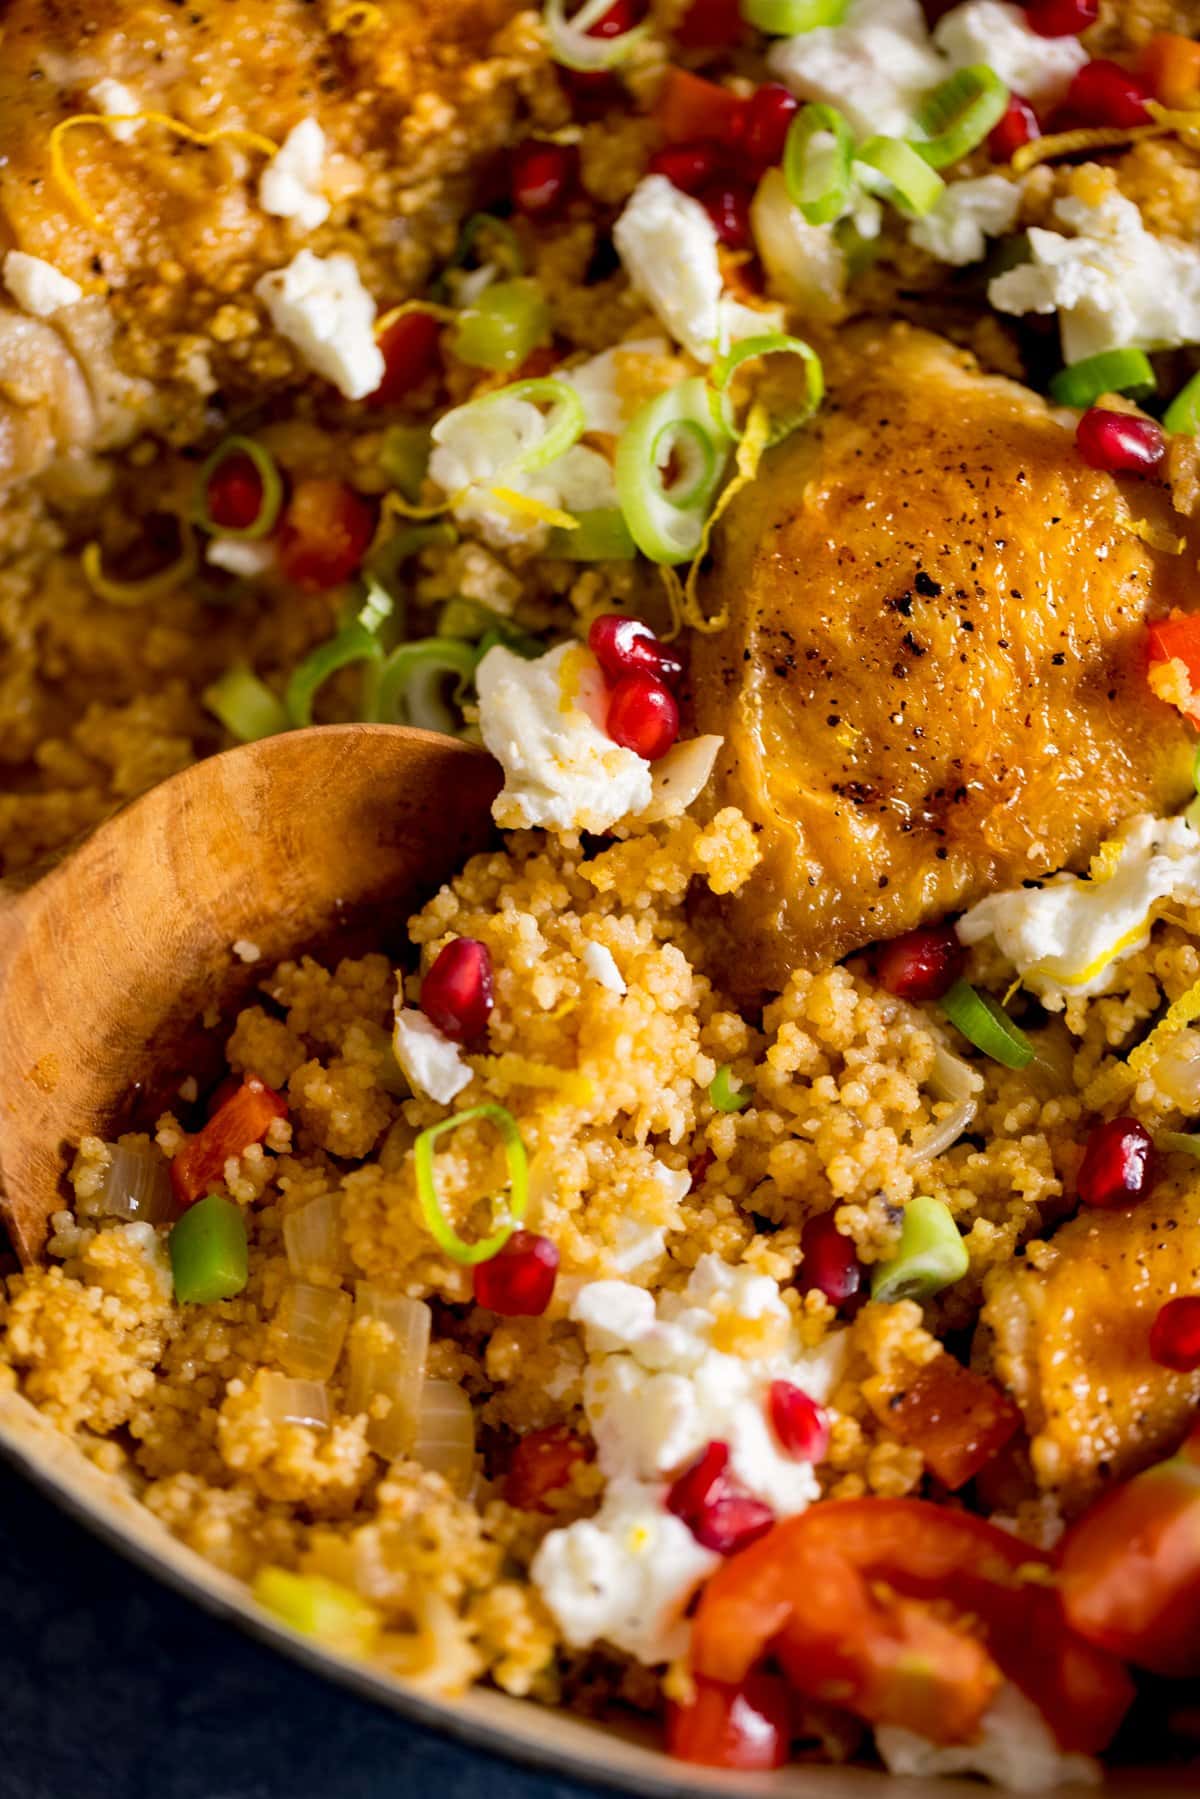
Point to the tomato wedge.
(747, 1726)
(244, 1118)
(326, 531)
(810, 1593)
(1130, 1567)
(958, 1419)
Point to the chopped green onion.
(723, 1096)
(150, 587)
(1111, 372)
(599, 536)
(476, 623)
(354, 643)
(335, 1615)
(404, 458)
(931, 1255)
(570, 44)
(775, 343)
(911, 185)
(1183, 414)
(267, 470)
(788, 18)
(958, 115)
(209, 1257)
(506, 322)
(245, 706)
(410, 687)
(481, 224)
(1181, 1142)
(565, 422)
(986, 1025)
(667, 528)
(443, 1233)
(409, 541)
(817, 159)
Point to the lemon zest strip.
(445, 315)
(754, 440)
(525, 506)
(253, 140)
(519, 1071)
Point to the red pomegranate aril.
(1119, 1164)
(411, 350)
(1061, 18)
(798, 1421)
(748, 1727)
(923, 964)
(1119, 443)
(519, 1282)
(694, 1489)
(1018, 126)
(769, 112)
(728, 206)
(1105, 94)
(689, 167)
(235, 493)
(642, 715)
(1175, 1334)
(626, 646)
(543, 177)
(733, 1521)
(457, 993)
(711, 25)
(830, 1262)
(542, 1463)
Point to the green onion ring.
(267, 470)
(439, 1227)
(564, 424)
(151, 587)
(818, 175)
(245, 706)
(571, 46)
(958, 115)
(354, 643)
(1179, 1142)
(914, 187)
(931, 1255)
(599, 536)
(1111, 372)
(1183, 414)
(694, 449)
(407, 687)
(775, 343)
(788, 18)
(986, 1025)
(723, 1096)
(501, 229)
(664, 531)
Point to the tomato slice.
(244, 1118)
(957, 1419)
(747, 1726)
(810, 1591)
(542, 1462)
(326, 532)
(1177, 639)
(691, 109)
(1130, 1567)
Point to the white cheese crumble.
(246, 951)
(38, 287)
(1067, 936)
(997, 33)
(956, 230)
(431, 1062)
(601, 964)
(874, 67)
(544, 722)
(248, 558)
(1015, 1749)
(1112, 283)
(115, 100)
(321, 306)
(614, 384)
(291, 183)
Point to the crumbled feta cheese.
(246, 951)
(676, 1183)
(240, 556)
(1112, 284)
(1071, 933)
(321, 306)
(114, 99)
(38, 287)
(615, 384)
(431, 1063)
(999, 34)
(544, 721)
(1015, 1748)
(290, 186)
(956, 230)
(635, 1247)
(874, 66)
(601, 964)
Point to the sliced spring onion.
(723, 1096)
(389, 1344)
(312, 1236)
(911, 185)
(817, 161)
(310, 1328)
(445, 1438)
(985, 1024)
(404, 458)
(356, 642)
(410, 687)
(507, 245)
(246, 706)
(1183, 1143)
(473, 622)
(506, 322)
(1111, 372)
(438, 1225)
(386, 561)
(320, 1608)
(788, 18)
(267, 470)
(931, 1255)
(599, 536)
(209, 1256)
(1183, 414)
(570, 44)
(666, 526)
(562, 425)
(151, 587)
(775, 343)
(288, 1401)
(136, 1185)
(958, 115)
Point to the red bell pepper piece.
(958, 1419)
(244, 1118)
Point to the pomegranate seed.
(1175, 1335)
(519, 1281)
(798, 1421)
(698, 1168)
(235, 493)
(769, 112)
(626, 646)
(692, 1490)
(410, 349)
(1061, 18)
(923, 964)
(457, 992)
(1119, 443)
(1119, 1164)
(642, 715)
(1103, 93)
(542, 1463)
(728, 206)
(714, 1507)
(710, 25)
(830, 1265)
(543, 177)
(689, 167)
(1018, 126)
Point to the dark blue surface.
(112, 1687)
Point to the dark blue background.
(111, 1687)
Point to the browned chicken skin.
(932, 680)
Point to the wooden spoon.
(118, 968)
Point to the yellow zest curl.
(1112, 1083)
(395, 505)
(354, 19)
(525, 506)
(445, 315)
(252, 140)
(1090, 137)
(754, 440)
(519, 1071)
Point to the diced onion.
(438, 1225)
(985, 1024)
(267, 470)
(136, 1185)
(310, 1328)
(931, 1255)
(679, 776)
(1179, 1142)
(913, 187)
(246, 706)
(312, 1237)
(411, 687)
(788, 18)
(288, 1401)
(817, 162)
(570, 44)
(389, 1342)
(955, 1080)
(1111, 372)
(1183, 414)
(666, 524)
(445, 1439)
(958, 115)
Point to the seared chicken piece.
(932, 680)
(1069, 1338)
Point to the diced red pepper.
(958, 1419)
(1176, 641)
(411, 351)
(542, 1463)
(326, 532)
(1170, 66)
(691, 109)
(747, 1726)
(244, 1118)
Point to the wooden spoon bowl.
(118, 968)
